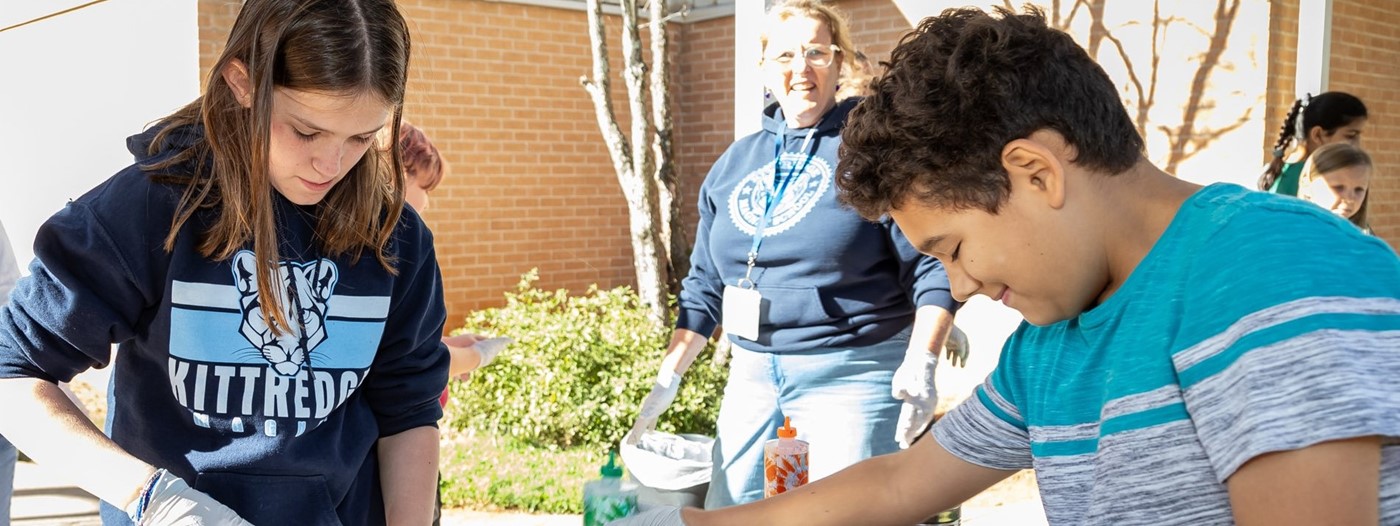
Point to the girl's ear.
(235, 74)
(1316, 136)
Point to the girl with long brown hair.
(278, 310)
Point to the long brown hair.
(341, 46)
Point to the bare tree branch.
(1224, 22)
(668, 184)
(1159, 29)
(1097, 31)
(599, 87)
(635, 78)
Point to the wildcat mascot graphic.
(306, 291)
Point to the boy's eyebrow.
(927, 245)
(314, 127)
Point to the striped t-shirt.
(1138, 410)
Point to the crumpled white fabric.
(669, 462)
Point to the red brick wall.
(704, 105)
(1366, 62)
(215, 19)
(1283, 68)
(876, 26)
(531, 184)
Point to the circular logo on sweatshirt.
(750, 197)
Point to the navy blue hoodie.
(829, 277)
(282, 430)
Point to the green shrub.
(578, 371)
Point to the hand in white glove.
(658, 516)
(663, 392)
(956, 347)
(489, 348)
(913, 383)
(171, 502)
(463, 346)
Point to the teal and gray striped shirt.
(1137, 411)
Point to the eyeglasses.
(817, 56)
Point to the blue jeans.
(8, 456)
(838, 399)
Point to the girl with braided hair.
(1313, 122)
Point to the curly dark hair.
(956, 91)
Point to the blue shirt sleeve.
(701, 299)
(82, 295)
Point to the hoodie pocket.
(272, 499)
(790, 307)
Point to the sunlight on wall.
(75, 87)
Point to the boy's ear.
(235, 74)
(1034, 168)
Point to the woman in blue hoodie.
(817, 302)
(278, 309)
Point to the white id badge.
(742, 310)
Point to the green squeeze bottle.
(605, 499)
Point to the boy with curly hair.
(1160, 379)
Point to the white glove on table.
(171, 502)
(659, 516)
(913, 383)
(663, 392)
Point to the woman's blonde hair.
(1333, 157)
(855, 70)
(335, 46)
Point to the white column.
(1314, 46)
(748, 86)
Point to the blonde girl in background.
(1338, 177)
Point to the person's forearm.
(896, 489)
(685, 346)
(931, 327)
(408, 467)
(43, 423)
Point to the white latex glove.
(172, 502)
(913, 383)
(658, 516)
(490, 347)
(663, 392)
(956, 347)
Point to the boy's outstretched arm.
(897, 489)
(1334, 482)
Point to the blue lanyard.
(780, 185)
